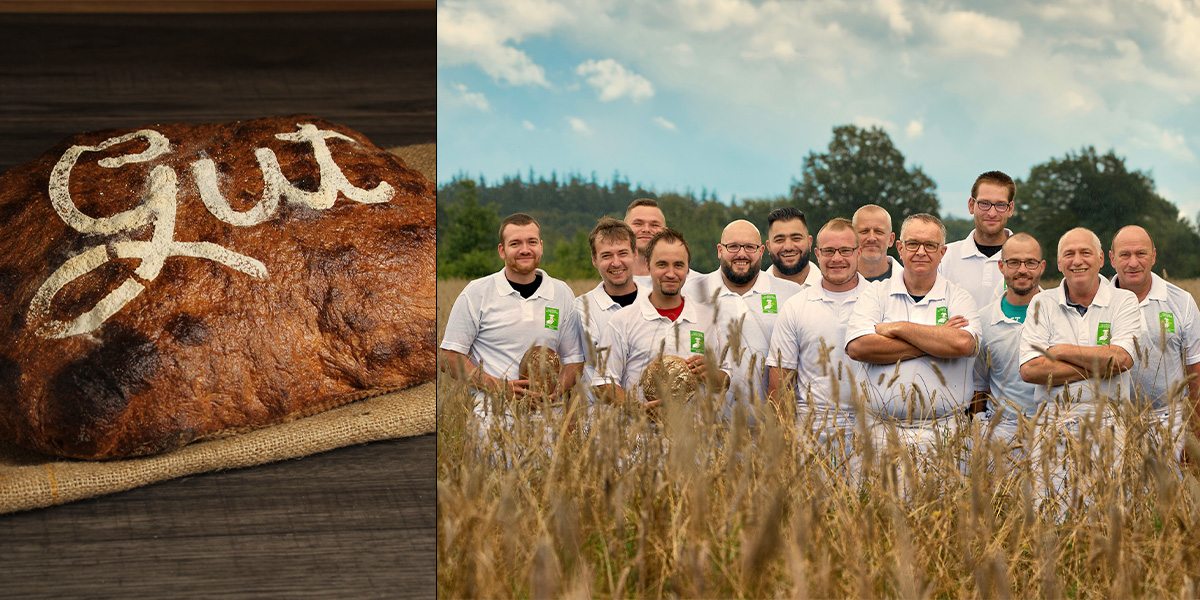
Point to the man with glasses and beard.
(788, 242)
(972, 262)
(747, 303)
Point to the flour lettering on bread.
(159, 209)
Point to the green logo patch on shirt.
(1167, 320)
(697, 342)
(552, 318)
(1103, 334)
(769, 304)
(943, 315)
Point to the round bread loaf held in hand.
(668, 378)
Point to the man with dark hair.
(497, 318)
(614, 250)
(789, 242)
(917, 333)
(662, 323)
(973, 262)
(873, 225)
(747, 303)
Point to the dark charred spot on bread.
(188, 330)
(10, 376)
(359, 322)
(10, 278)
(94, 389)
(308, 183)
(332, 262)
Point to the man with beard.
(873, 225)
(807, 354)
(613, 253)
(646, 219)
(747, 304)
(972, 262)
(497, 318)
(1172, 321)
(661, 323)
(917, 333)
(788, 241)
(998, 383)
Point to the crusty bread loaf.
(178, 281)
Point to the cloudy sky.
(731, 95)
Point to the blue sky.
(731, 95)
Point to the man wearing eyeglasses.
(788, 243)
(747, 303)
(973, 262)
(998, 383)
(1172, 320)
(807, 354)
(917, 334)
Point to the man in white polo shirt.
(747, 304)
(873, 225)
(998, 383)
(646, 219)
(807, 351)
(1172, 321)
(613, 253)
(789, 245)
(663, 322)
(497, 318)
(1079, 337)
(917, 334)
(973, 262)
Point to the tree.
(1096, 191)
(861, 167)
(468, 247)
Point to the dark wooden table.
(356, 522)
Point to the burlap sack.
(29, 480)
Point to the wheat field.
(572, 502)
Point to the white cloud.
(715, 15)
(763, 47)
(894, 12)
(1181, 38)
(869, 122)
(469, 98)
(579, 126)
(968, 32)
(528, 126)
(665, 124)
(483, 34)
(914, 130)
(1171, 143)
(614, 81)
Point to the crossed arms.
(904, 340)
(1068, 363)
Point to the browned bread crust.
(286, 311)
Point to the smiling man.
(496, 319)
(972, 262)
(917, 333)
(873, 225)
(1079, 337)
(1172, 321)
(646, 219)
(747, 303)
(789, 242)
(614, 250)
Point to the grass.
(569, 503)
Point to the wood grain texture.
(356, 522)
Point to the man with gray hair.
(918, 334)
(873, 225)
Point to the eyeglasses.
(1001, 207)
(827, 252)
(735, 247)
(913, 246)
(1030, 264)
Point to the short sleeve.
(1035, 332)
(1191, 331)
(611, 356)
(570, 339)
(785, 340)
(1128, 324)
(868, 312)
(462, 326)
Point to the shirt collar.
(821, 294)
(650, 313)
(974, 248)
(939, 291)
(545, 290)
(1103, 295)
(1158, 288)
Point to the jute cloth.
(29, 480)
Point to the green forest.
(860, 166)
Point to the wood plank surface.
(356, 522)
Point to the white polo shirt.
(1112, 318)
(751, 317)
(493, 325)
(890, 388)
(980, 275)
(1172, 323)
(811, 325)
(998, 366)
(595, 308)
(637, 334)
(813, 277)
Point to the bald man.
(1172, 322)
(747, 303)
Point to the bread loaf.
(176, 282)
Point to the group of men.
(952, 329)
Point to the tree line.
(860, 166)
